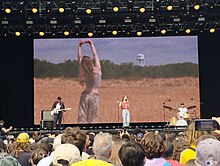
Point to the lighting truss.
(104, 19)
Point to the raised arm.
(79, 51)
(94, 52)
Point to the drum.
(181, 123)
(186, 116)
(173, 121)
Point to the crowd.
(76, 147)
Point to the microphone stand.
(164, 117)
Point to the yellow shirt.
(187, 154)
(91, 162)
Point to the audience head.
(37, 136)
(154, 145)
(75, 136)
(169, 150)
(132, 154)
(102, 145)
(65, 155)
(179, 145)
(191, 162)
(37, 155)
(115, 149)
(208, 153)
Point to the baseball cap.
(208, 153)
(91, 162)
(66, 152)
(8, 160)
(22, 137)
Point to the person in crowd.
(138, 134)
(22, 149)
(57, 112)
(124, 105)
(8, 160)
(132, 153)
(169, 154)
(191, 162)
(36, 140)
(191, 137)
(4, 131)
(65, 155)
(179, 145)
(208, 152)
(154, 149)
(102, 146)
(77, 137)
(114, 158)
(89, 148)
(46, 161)
(37, 155)
(90, 77)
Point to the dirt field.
(146, 97)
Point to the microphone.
(192, 99)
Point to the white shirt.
(182, 112)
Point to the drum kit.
(183, 120)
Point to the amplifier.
(46, 124)
(46, 115)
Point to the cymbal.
(168, 107)
(191, 107)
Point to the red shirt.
(124, 104)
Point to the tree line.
(110, 70)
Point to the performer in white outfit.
(182, 112)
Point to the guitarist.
(58, 113)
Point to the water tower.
(140, 60)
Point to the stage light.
(114, 32)
(7, 10)
(88, 11)
(212, 30)
(187, 30)
(66, 33)
(17, 33)
(163, 31)
(115, 9)
(139, 33)
(41, 33)
(169, 7)
(90, 34)
(196, 6)
(34, 10)
(61, 9)
(142, 9)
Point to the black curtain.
(209, 59)
(17, 81)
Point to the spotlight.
(34, 10)
(187, 30)
(139, 33)
(88, 11)
(169, 7)
(7, 10)
(66, 33)
(90, 34)
(114, 32)
(61, 9)
(163, 31)
(115, 9)
(196, 6)
(41, 33)
(142, 9)
(212, 30)
(17, 33)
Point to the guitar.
(56, 111)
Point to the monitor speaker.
(46, 115)
(46, 124)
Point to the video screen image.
(157, 74)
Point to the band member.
(124, 104)
(182, 111)
(57, 109)
(90, 77)
(4, 131)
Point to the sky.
(156, 50)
